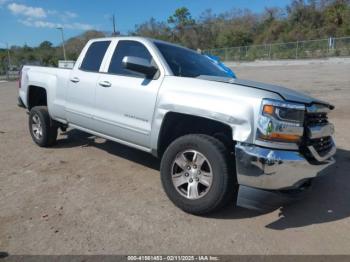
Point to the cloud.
(79, 26)
(39, 23)
(47, 24)
(38, 12)
(29, 11)
(69, 14)
(66, 15)
(37, 17)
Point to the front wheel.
(41, 127)
(197, 174)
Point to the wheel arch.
(36, 96)
(176, 124)
(44, 83)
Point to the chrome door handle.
(75, 79)
(105, 84)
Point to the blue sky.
(33, 21)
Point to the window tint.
(94, 55)
(127, 48)
(188, 63)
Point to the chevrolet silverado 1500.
(217, 136)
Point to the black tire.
(223, 189)
(49, 129)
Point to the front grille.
(322, 145)
(316, 119)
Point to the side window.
(94, 56)
(127, 48)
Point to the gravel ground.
(91, 196)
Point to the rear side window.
(127, 48)
(94, 56)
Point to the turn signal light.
(282, 137)
(268, 109)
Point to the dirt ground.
(91, 196)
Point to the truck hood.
(285, 93)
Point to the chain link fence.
(321, 48)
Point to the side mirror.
(139, 65)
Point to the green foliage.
(45, 54)
(301, 20)
(154, 29)
(75, 44)
(45, 45)
(181, 17)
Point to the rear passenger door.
(125, 100)
(80, 104)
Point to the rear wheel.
(197, 174)
(41, 127)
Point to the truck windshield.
(187, 63)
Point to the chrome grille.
(318, 142)
(321, 145)
(316, 119)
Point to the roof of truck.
(138, 38)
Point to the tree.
(181, 17)
(337, 18)
(153, 29)
(301, 20)
(182, 21)
(75, 44)
(45, 45)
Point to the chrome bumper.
(275, 169)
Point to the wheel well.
(176, 124)
(36, 97)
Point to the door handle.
(105, 84)
(75, 79)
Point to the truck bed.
(52, 78)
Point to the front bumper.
(263, 200)
(273, 169)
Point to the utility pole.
(8, 61)
(8, 55)
(113, 21)
(64, 49)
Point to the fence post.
(296, 50)
(328, 46)
(225, 54)
(331, 45)
(270, 52)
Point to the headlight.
(281, 121)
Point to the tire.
(41, 127)
(193, 195)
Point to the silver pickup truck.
(220, 139)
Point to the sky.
(33, 21)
